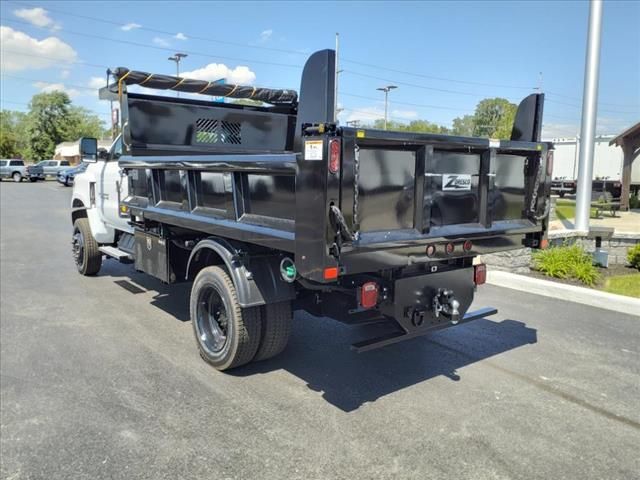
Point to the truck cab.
(98, 190)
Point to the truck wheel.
(228, 336)
(276, 329)
(561, 194)
(85, 248)
(33, 180)
(17, 177)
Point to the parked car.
(51, 168)
(65, 177)
(35, 172)
(14, 169)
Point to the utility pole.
(386, 91)
(589, 114)
(178, 58)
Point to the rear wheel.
(85, 248)
(17, 177)
(276, 329)
(228, 336)
(33, 179)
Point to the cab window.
(16, 163)
(116, 150)
(64, 164)
(3, 163)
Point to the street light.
(386, 91)
(178, 58)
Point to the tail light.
(480, 274)
(330, 273)
(550, 162)
(450, 248)
(334, 155)
(431, 250)
(468, 245)
(369, 295)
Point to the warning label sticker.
(313, 150)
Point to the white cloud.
(214, 71)
(65, 73)
(265, 35)
(404, 114)
(22, 52)
(37, 16)
(48, 87)
(180, 36)
(97, 82)
(161, 42)
(130, 26)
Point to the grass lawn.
(566, 209)
(628, 285)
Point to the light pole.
(178, 58)
(589, 116)
(386, 91)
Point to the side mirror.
(89, 149)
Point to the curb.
(571, 293)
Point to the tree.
(494, 118)
(463, 126)
(47, 124)
(418, 126)
(82, 123)
(13, 141)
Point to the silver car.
(51, 168)
(13, 169)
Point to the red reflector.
(331, 273)
(480, 274)
(334, 155)
(550, 162)
(431, 250)
(450, 247)
(468, 245)
(544, 244)
(369, 295)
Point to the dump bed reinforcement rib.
(396, 337)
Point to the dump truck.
(273, 207)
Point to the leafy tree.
(13, 142)
(82, 123)
(47, 123)
(418, 126)
(494, 118)
(463, 126)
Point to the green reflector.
(291, 271)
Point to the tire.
(276, 330)
(561, 194)
(227, 335)
(17, 177)
(85, 248)
(33, 180)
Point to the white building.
(71, 150)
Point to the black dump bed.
(267, 176)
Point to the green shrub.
(633, 256)
(566, 262)
(634, 201)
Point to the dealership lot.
(100, 378)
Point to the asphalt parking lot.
(100, 378)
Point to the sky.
(444, 57)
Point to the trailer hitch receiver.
(444, 303)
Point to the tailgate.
(408, 187)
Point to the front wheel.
(33, 180)
(228, 336)
(85, 249)
(17, 177)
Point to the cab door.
(111, 187)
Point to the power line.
(157, 47)
(165, 32)
(289, 51)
